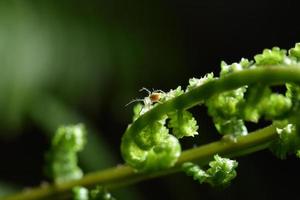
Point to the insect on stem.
(153, 97)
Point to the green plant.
(243, 93)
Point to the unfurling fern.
(220, 173)
(61, 160)
(150, 144)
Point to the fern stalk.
(123, 175)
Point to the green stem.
(123, 175)
(264, 75)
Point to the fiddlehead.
(220, 172)
(183, 124)
(61, 160)
(233, 98)
(245, 90)
(153, 149)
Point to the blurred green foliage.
(44, 51)
(65, 62)
(72, 53)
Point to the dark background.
(66, 62)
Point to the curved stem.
(123, 175)
(264, 75)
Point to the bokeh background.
(65, 62)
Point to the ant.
(153, 97)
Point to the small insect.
(153, 97)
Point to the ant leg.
(145, 89)
(132, 101)
(159, 102)
(141, 111)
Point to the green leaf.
(151, 135)
(194, 170)
(293, 92)
(295, 52)
(70, 138)
(226, 113)
(152, 149)
(80, 193)
(272, 56)
(61, 160)
(255, 94)
(260, 101)
(234, 67)
(196, 82)
(164, 155)
(171, 94)
(183, 124)
(277, 105)
(288, 141)
(234, 127)
(220, 173)
(226, 105)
